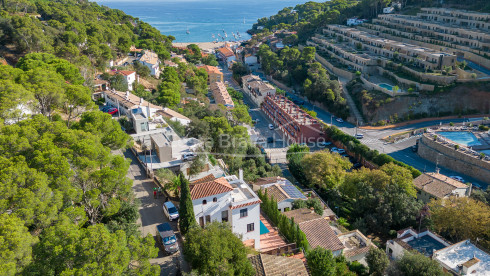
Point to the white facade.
(249, 60)
(130, 79)
(239, 207)
(395, 250)
(150, 60)
(464, 258)
(388, 10)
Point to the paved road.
(151, 213)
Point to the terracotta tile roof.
(214, 187)
(207, 178)
(125, 72)
(131, 100)
(226, 52)
(269, 265)
(319, 233)
(246, 204)
(134, 49)
(169, 113)
(211, 69)
(302, 215)
(437, 185)
(278, 194)
(221, 95)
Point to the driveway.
(151, 213)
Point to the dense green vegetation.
(377, 261)
(82, 32)
(372, 200)
(321, 262)
(298, 69)
(415, 264)
(187, 219)
(215, 250)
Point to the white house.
(436, 185)
(228, 199)
(388, 10)
(257, 89)
(150, 60)
(130, 77)
(250, 59)
(174, 116)
(464, 258)
(424, 242)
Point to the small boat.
(213, 36)
(187, 32)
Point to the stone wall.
(418, 85)
(452, 159)
(337, 71)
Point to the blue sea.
(202, 18)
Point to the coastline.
(207, 46)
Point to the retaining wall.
(452, 159)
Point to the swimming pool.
(263, 229)
(386, 86)
(461, 137)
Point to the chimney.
(240, 174)
(127, 95)
(437, 170)
(141, 101)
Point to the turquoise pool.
(461, 137)
(263, 229)
(386, 86)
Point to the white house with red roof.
(228, 199)
(226, 55)
(130, 77)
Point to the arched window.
(215, 199)
(204, 202)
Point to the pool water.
(263, 229)
(386, 86)
(461, 137)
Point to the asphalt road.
(151, 214)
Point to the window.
(201, 221)
(215, 199)
(208, 219)
(224, 216)
(204, 202)
(243, 213)
(250, 227)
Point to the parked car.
(170, 211)
(359, 136)
(188, 156)
(271, 126)
(458, 178)
(106, 108)
(270, 140)
(112, 110)
(339, 120)
(414, 148)
(324, 144)
(166, 238)
(261, 140)
(333, 149)
(341, 151)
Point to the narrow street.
(151, 213)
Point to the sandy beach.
(206, 46)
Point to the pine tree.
(187, 219)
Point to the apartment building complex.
(221, 95)
(297, 125)
(361, 49)
(214, 74)
(256, 89)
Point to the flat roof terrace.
(426, 245)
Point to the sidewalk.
(420, 121)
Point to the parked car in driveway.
(112, 110)
(339, 120)
(271, 126)
(341, 151)
(188, 156)
(166, 238)
(170, 211)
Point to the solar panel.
(292, 191)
